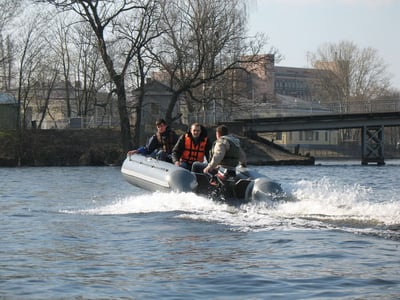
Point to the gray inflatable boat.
(237, 186)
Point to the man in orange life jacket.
(159, 144)
(192, 146)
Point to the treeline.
(113, 46)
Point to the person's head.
(161, 125)
(195, 130)
(221, 131)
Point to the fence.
(266, 110)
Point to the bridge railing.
(266, 110)
(364, 106)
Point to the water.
(83, 232)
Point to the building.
(8, 111)
(295, 93)
(64, 105)
(296, 82)
(155, 104)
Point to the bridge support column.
(372, 145)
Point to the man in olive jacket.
(226, 152)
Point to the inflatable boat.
(239, 185)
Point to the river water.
(83, 232)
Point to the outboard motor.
(182, 180)
(264, 189)
(226, 178)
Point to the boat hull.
(156, 175)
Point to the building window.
(309, 135)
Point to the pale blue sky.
(296, 27)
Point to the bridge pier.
(372, 145)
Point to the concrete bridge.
(371, 124)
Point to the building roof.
(7, 99)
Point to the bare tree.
(115, 25)
(349, 73)
(203, 41)
(88, 71)
(59, 42)
(6, 54)
(31, 53)
(8, 11)
(148, 30)
(48, 77)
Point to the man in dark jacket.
(192, 146)
(159, 144)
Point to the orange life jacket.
(193, 152)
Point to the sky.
(296, 27)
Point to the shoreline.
(102, 147)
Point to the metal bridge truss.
(371, 124)
(372, 145)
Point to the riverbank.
(99, 147)
(263, 152)
(54, 147)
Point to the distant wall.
(8, 116)
(70, 147)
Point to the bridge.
(371, 124)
